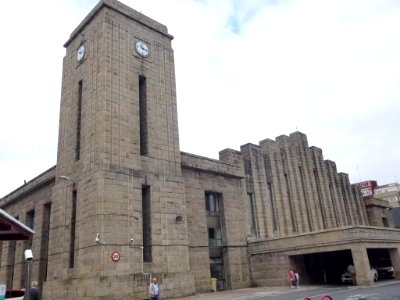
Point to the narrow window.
(146, 217)
(212, 204)
(385, 222)
(250, 213)
(346, 203)
(211, 233)
(30, 219)
(290, 203)
(143, 116)
(304, 189)
(72, 233)
(334, 205)
(78, 122)
(271, 196)
(214, 237)
(319, 193)
(44, 244)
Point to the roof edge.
(124, 10)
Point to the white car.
(387, 272)
(346, 277)
(374, 273)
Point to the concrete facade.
(122, 187)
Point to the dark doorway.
(380, 260)
(326, 267)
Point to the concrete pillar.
(395, 259)
(362, 265)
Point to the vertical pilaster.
(256, 178)
(335, 194)
(310, 191)
(362, 265)
(327, 210)
(300, 174)
(395, 259)
(348, 202)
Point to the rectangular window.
(78, 122)
(250, 213)
(30, 219)
(214, 237)
(385, 222)
(72, 232)
(213, 204)
(44, 244)
(272, 198)
(211, 233)
(143, 116)
(146, 217)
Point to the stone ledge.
(337, 236)
(196, 162)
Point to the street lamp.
(67, 179)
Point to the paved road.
(385, 290)
(388, 291)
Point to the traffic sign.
(115, 256)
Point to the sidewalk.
(242, 294)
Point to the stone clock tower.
(119, 213)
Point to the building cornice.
(124, 10)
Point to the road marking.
(331, 293)
(356, 297)
(282, 292)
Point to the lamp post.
(28, 286)
(67, 179)
(132, 245)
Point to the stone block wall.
(35, 195)
(295, 191)
(270, 269)
(111, 172)
(203, 175)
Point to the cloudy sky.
(246, 70)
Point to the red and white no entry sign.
(115, 256)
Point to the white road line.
(356, 297)
(337, 292)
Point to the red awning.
(12, 229)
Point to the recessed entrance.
(322, 267)
(380, 260)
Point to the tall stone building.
(124, 204)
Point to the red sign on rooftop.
(367, 187)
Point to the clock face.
(81, 53)
(142, 48)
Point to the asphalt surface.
(385, 290)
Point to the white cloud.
(246, 70)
